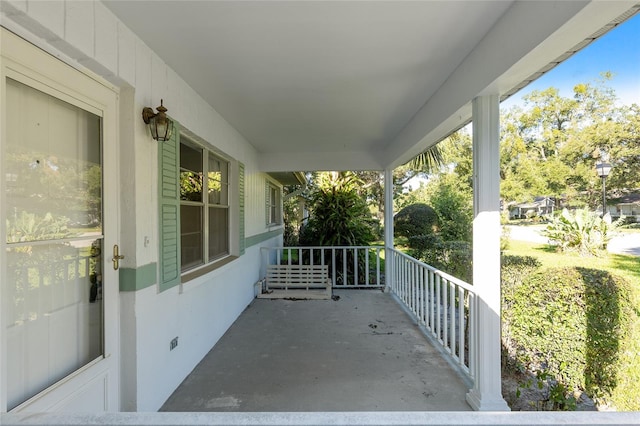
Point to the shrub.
(505, 238)
(416, 219)
(514, 269)
(580, 325)
(582, 231)
(452, 257)
(339, 216)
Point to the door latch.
(117, 257)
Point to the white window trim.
(278, 220)
(232, 206)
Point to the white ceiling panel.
(320, 78)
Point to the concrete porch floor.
(359, 353)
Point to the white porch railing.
(441, 303)
(349, 266)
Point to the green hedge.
(452, 257)
(580, 325)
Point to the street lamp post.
(603, 168)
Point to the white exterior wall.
(88, 36)
(255, 211)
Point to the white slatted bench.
(297, 282)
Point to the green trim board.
(257, 239)
(134, 279)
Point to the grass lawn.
(627, 266)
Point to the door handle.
(116, 257)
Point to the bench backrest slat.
(306, 276)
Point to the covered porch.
(272, 88)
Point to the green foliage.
(580, 326)
(515, 268)
(339, 215)
(452, 201)
(505, 238)
(28, 260)
(191, 186)
(416, 219)
(513, 271)
(447, 245)
(26, 226)
(61, 186)
(292, 214)
(452, 257)
(556, 396)
(425, 163)
(549, 146)
(428, 160)
(583, 231)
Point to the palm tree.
(429, 160)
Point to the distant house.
(538, 207)
(627, 206)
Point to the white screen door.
(58, 283)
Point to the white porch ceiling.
(355, 84)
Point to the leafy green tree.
(340, 216)
(452, 200)
(416, 219)
(550, 145)
(292, 213)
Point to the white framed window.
(274, 209)
(204, 206)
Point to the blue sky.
(617, 51)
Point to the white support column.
(486, 394)
(389, 274)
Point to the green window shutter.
(241, 207)
(169, 206)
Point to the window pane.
(190, 173)
(191, 236)
(53, 167)
(274, 205)
(53, 312)
(218, 232)
(218, 180)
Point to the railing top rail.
(450, 278)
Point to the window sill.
(205, 269)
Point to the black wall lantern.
(161, 127)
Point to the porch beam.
(388, 230)
(486, 394)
